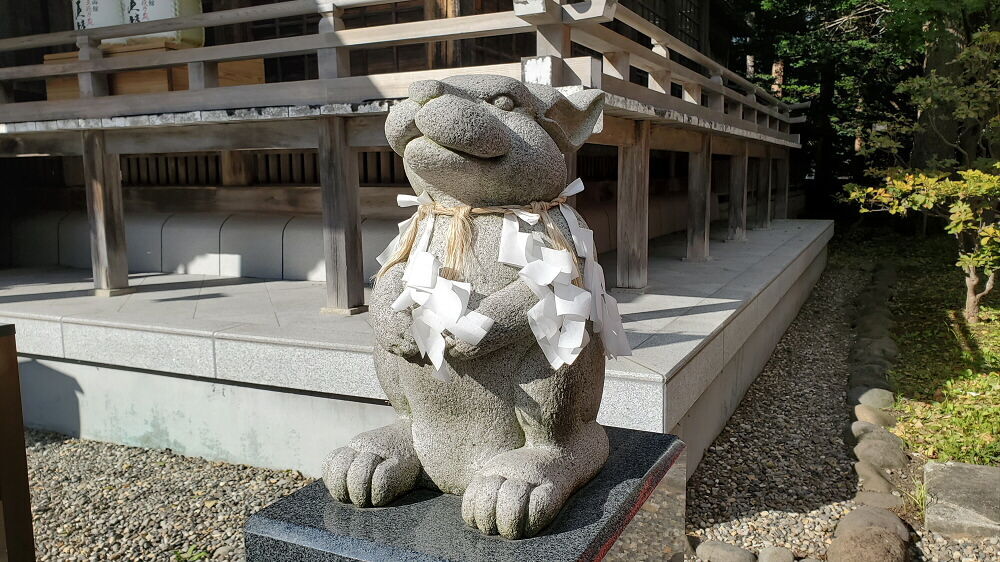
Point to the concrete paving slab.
(963, 499)
(693, 319)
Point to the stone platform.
(238, 369)
(427, 526)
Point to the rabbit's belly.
(461, 424)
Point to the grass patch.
(948, 386)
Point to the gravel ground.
(98, 501)
(778, 474)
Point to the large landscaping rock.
(871, 376)
(869, 544)
(872, 477)
(881, 454)
(963, 499)
(874, 321)
(864, 430)
(775, 554)
(884, 277)
(718, 551)
(874, 416)
(879, 499)
(865, 517)
(874, 397)
(882, 346)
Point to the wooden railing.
(720, 97)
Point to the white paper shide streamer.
(559, 318)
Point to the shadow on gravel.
(38, 438)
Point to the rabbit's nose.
(423, 91)
(464, 126)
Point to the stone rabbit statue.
(484, 309)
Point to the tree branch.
(989, 285)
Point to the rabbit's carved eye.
(503, 102)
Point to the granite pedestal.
(309, 526)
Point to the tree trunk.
(971, 296)
(778, 71)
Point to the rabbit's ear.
(569, 120)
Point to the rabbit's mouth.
(424, 153)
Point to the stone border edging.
(872, 532)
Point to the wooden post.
(781, 187)
(333, 62)
(92, 84)
(659, 80)
(236, 167)
(341, 219)
(16, 538)
(616, 65)
(716, 101)
(738, 194)
(633, 209)
(103, 185)
(552, 40)
(203, 75)
(762, 220)
(699, 200)
(691, 92)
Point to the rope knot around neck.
(460, 233)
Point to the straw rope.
(460, 234)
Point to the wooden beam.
(781, 188)
(666, 137)
(699, 200)
(16, 540)
(616, 131)
(103, 186)
(341, 219)
(633, 209)
(762, 218)
(467, 27)
(344, 90)
(738, 195)
(206, 19)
